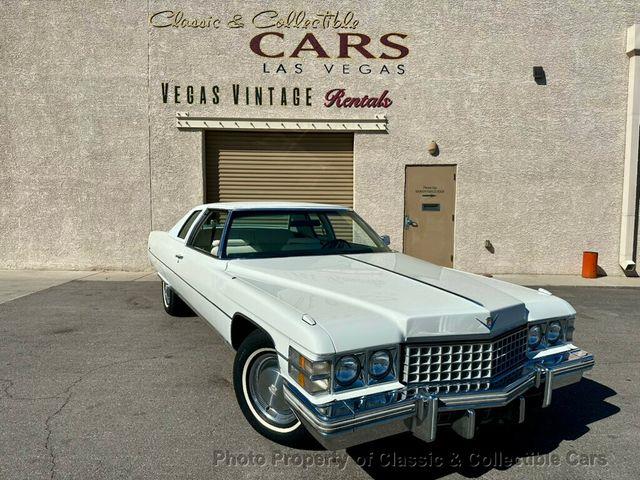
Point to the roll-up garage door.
(289, 166)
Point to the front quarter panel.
(281, 321)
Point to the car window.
(208, 233)
(187, 225)
(308, 225)
(258, 234)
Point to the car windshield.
(285, 233)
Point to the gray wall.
(74, 184)
(92, 158)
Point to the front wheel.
(259, 391)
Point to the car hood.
(384, 298)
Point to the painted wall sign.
(288, 43)
(305, 20)
(259, 96)
(348, 45)
(297, 19)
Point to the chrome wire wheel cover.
(166, 292)
(265, 385)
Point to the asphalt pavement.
(96, 381)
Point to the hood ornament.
(489, 322)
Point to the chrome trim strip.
(404, 411)
(190, 286)
(491, 398)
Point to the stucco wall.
(92, 157)
(539, 167)
(74, 183)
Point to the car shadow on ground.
(495, 446)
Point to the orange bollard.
(590, 264)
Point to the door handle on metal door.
(179, 256)
(408, 222)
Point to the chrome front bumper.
(421, 413)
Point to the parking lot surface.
(96, 381)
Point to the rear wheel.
(173, 304)
(259, 391)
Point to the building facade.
(428, 117)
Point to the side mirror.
(385, 239)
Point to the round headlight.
(347, 370)
(554, 330)
(535, 336)
(379, 364)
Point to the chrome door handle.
(179, 256)
(408, 222)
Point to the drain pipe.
(631, 151)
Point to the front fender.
(281, 321)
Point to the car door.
(203, 273)
(170, 251)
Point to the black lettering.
(236, 93)
(165, 92)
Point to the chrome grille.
(464, 367)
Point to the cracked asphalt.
(96, 381)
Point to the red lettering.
(314, 46)
(337, 97)
(391, 46)
(345, 45)
(332, 97)
(403, 51)
(256, 44)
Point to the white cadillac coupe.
(339, 337)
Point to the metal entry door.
(429, 212)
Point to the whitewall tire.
(258, 387)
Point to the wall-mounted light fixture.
(433, 148)
(539, 76)
(489, 246)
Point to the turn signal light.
(313, 376)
